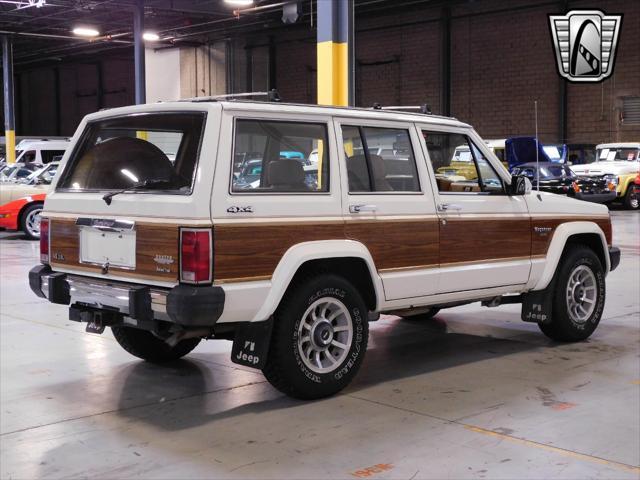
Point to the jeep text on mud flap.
(286, 228)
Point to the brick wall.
(502, 60)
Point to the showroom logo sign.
(585, 43)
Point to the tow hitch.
(97, 320)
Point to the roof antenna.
(535, 104)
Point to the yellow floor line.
(561, 451)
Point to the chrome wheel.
(582, 294)
(325, 335)
(32, 223)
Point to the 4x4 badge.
(240, 209)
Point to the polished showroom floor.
(475, 393)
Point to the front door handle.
(444, 207)
(363, 208)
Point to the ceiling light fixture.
(239, 3)
(150, 36)
(85, 32)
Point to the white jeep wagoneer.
(287, 228)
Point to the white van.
(40, 151)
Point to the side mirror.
(520, 185)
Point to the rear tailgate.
(78, 247)
(135, 237)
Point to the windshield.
(555, 171)
(617, 154)
(120, 153)
(44, 176)
(552, 152)
(16, 172)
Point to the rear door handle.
(363, 208)
(444, 207)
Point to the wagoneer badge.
(542, 230)
(163, 259)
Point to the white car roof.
(44, 145)
(280, 107)
(618, 145)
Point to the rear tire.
(145, 345)
(319, 338)
(30, 221)
(579, 297)
(631, 200)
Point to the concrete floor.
(473, 394)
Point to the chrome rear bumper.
(189, 306)
(103, 294)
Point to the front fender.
(558, 242)
(304, 252)
(625, 182)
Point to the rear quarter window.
(125, 152)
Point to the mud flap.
(537, 306)
(251, 344)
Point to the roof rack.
(424, 108)
(272, 96)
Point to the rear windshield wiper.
(151, 183)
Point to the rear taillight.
(196, 255)
(44, 240)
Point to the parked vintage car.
(21, 202)
(519, 150)
(167, 252)
(559, 178)
(618, 163)
(18, 171)
(498, 147)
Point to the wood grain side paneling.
(250, 250)
(475, 240)
(246, 251)
(540, 242)
(151, 239)
(396, 244)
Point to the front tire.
(579, 297)
(145, 345)
(319, 338)
(631, 200)
(30, 221)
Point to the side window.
(49, 155)
(379, 160)
(280, 157)
(459, 165)
(452, 162)
(29, 157)
(490, 181)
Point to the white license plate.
(100, 247)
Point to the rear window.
(118, 153)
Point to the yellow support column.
(7, 81)
(333, 52)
